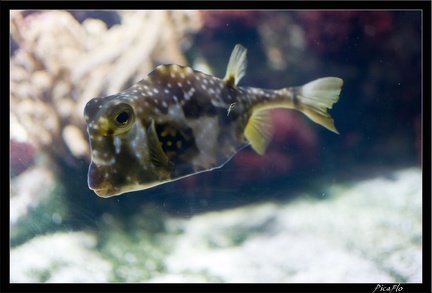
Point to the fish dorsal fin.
(236, 66)
(157, 156)
(259, 130)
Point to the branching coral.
(61, 63)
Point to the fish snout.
(99, 184)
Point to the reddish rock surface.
(22, 156)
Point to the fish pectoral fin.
(236, 66)
(158, 158)
(317, 96)
(259, 130)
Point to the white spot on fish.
(176, 111)
(155, 91)
(189, 94)
(218, 103)
(117, 144)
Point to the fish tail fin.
(236, 68)
(315, 97)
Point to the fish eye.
(122, 118)
(123, 115)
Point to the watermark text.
(388, 288)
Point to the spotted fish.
(178, 122)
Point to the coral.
(372, 51)
(283, 40)
(21, 156)
(59, 64)
(328, 31)
(219, 19)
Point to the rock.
(36, 204)
(358, 231)
(362, 232)
(58, 258)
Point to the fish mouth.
(104, 191)
(100, 185)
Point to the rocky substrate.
(366, 231)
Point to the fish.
(177, 122)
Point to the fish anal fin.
(259, 130)
(236, 68)
(157, 156)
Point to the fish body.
(178, 122)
